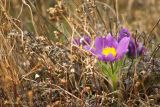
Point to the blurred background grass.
(135, 14)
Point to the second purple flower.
(135, 48)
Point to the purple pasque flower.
(135, 48)
(108, 49)
(82, 41)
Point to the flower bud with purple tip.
(123, 33)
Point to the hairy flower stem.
(113, 78)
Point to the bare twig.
(32, 19)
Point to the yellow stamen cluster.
(109, 50)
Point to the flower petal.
(110, 41)
(132, 49)
(101, 57)
(87, 48)
(123, 33)
(106, 59)
(109, 58)
(135, 49)
(122, 47)
(85, 40)
(93, 51)
(99, 43)
(141, 49)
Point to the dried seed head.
(37, 76)
(72, 70)
(86, 89)
(63, 81)
(137, 84)
(143, 72)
